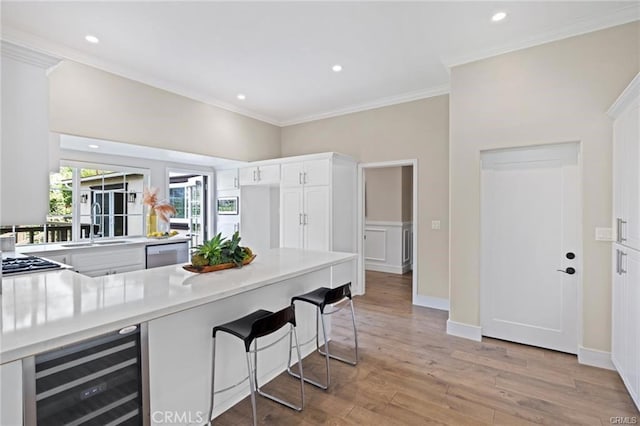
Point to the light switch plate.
(604, 234)
(435, 224)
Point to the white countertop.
(47, 310)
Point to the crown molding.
(630, 94)
(442, 89)
(28, 56)
(620, 16)
(30, 41)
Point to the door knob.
(569, 270)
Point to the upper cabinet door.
(292, 174)
(227, 179)
(269, 175)
(316, 172)
(260, 175)
(306, 173)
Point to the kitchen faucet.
(96, 210)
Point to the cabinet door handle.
(617, 261)
(304, 177)
(236, 183)
(622, 231)
(254, 176)
(623, 255)
(300, 222)
(306, 219)
(300, 178)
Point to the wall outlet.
(435, 224)
(604, 234)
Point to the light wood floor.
(412, 373)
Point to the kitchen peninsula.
(176, 308)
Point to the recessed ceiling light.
(93, 146)
(499, 16)
(92, 39)
(337, 68)
(241, 96)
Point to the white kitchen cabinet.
(625, 346)
(25, 136)
(306, 173)
(97, 262)
(11, 402)
(227, 180)
(317, 203)
(626, 165)
(625, 352)
(267, 174)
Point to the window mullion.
(75, 204)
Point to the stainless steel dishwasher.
(167, 254)
(99, 381)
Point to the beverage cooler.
(96, 382)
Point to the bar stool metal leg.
(252, 387)
(292, 331)
(355, 336)
(213, 376)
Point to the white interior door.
(530, 226)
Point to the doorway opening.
(387, 223)
(188, 191)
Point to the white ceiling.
(280, 54)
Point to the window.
(113, 194)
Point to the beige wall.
(85, 101)
(418, 129)
(384, 194)
(557, 92)
(407, 193)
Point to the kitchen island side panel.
(180, 347)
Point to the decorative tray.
(219, 267)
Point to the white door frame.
(211, 191)
(360, 287)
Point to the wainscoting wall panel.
(388, 246)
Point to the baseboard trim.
(431, 302)
(595, 358)
(389, 269)
(467, 331)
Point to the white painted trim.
(386, 223)
(360, 284)
(384, 244)
(439, 303)
(630, 94)
(28, 55)
(620, 16)
(595, 358)
(389, 269)
(431, 92)
(467, 331)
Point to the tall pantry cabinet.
(317, 202)
(625, 352)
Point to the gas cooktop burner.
(15, 265)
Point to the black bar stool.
(320, 298)
(248, 329)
